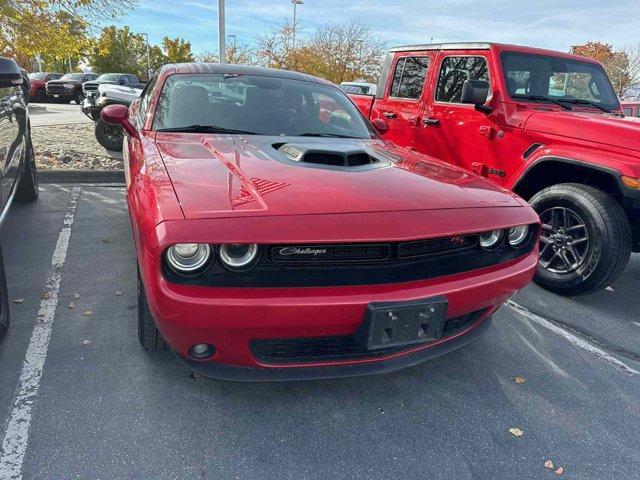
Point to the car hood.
(588, 126)
(221, 176)
(119, 92)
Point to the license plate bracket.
(396, 324)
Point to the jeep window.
(37, 76)
(558, 78)
(73, 76)
(408, 77)
(109, 77)
(454, 72)
(638, 112)
(257, 105)
(627, 111)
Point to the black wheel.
(4, 300)
(111, 137)
(28, 187)
(586, 239)
(148, 334)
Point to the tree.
(177, 50)
(615, 63)
(275, 49)
(633, 53)
(237, 55)
(119, 50)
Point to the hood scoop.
(338, 156)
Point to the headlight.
(489, 240)
(517, 236)
(188, 257)
(239, 256)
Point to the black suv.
(69, 87)
(18, 176)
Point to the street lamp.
(295, 4)
(234, 37)
(221, 35)
(146, 37)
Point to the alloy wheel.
(564, 242)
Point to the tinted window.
(409, 77)
(638, 112)
(454, 72)
(557, 78)
(73, 76)
(37, 76)
(627, 111)
(145, 98)
(257, 105)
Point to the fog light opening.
(201, 351)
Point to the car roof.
(225, 68)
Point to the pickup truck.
(545, 124)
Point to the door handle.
(390, 114)
(431, 121)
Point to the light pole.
(235, 38)
(295, 4)
(146, 38)
(221, 35)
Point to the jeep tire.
(585, 240)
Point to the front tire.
(28, 189)
(4, 300)
(111, 137)
(586, 239)
(148, 334)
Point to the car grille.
(56, 88)
(90, 87)
(323, 349)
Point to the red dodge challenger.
(278, 237)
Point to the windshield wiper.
(205, 129)
(325, 135)
(542, 98)
(581, 101)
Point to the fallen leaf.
(104, 240)
(72, 305)
(119, 293)
(87, 313)
(519, 379)
(46, 296)
(516, 432)
(87, 342)
(19, 300)
(76, 295)
(559, 471)
(548, 464)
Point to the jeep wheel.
(586, 239)
(4, 300)
(28, 187)
(148, 334)
(111, 137)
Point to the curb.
(81, 176)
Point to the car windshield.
(109, 77)
(72, 76)
(557, 78)
(257, 105)
(37, 76)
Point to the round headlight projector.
(238, 256)
(518, 236)
(188, 257)
(490, 239)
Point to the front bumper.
(231, 318)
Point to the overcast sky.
(543, 23)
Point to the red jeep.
(545, 124)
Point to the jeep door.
(401, 105)
(450, 130)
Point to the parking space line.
(574, 339)
(14, 443)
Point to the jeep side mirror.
(475, 92)
(119, 115)
(10, 75)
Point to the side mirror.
(380, 126)
(475, 92)
(10, 75)
(119, 115)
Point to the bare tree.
(238, 55)
(275, 49)
(633, 55)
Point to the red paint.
(184, 187)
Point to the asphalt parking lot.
(100, 408)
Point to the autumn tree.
(615, 62)
(177, 50)
(275, 49)
(235, 54)
(119, 50)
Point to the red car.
(38, 82)
(277, 242)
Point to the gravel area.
(72, 147)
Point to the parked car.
(544, 124)
(631, 109)
(68, 88)
(110, 136)
(359, 88)
(38, 88)
(274, 245)
(18, 177)
(124, 79)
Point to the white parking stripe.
(14, 443)
(574, 339)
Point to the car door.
(401, 106)
(450, 130)
(10, 142)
